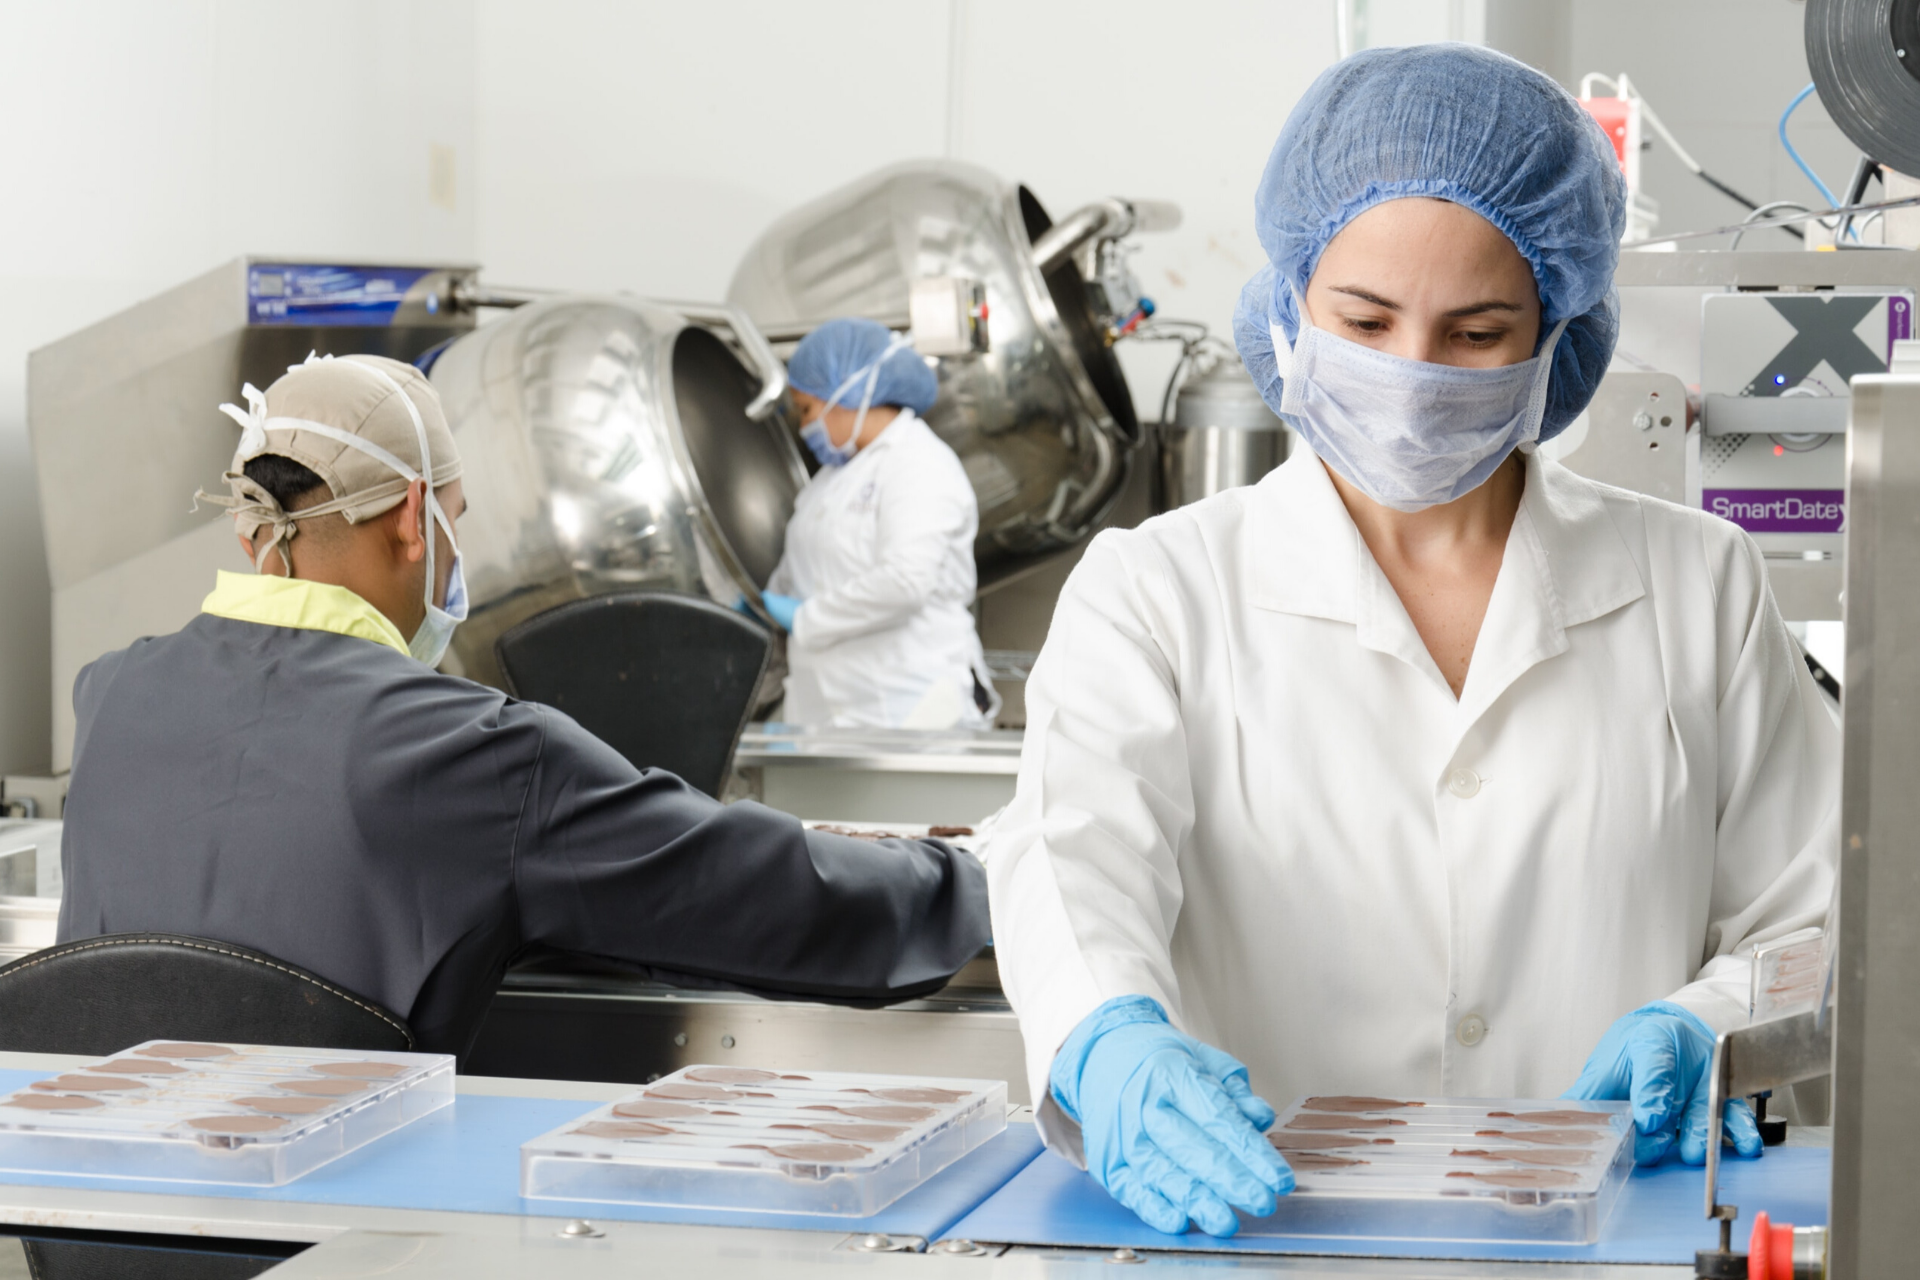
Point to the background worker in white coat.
(877, 579)
(1424, 766)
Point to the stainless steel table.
(950, 777)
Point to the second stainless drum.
(607, 446)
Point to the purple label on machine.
(1780, 510)
(1899, 323)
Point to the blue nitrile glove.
(1661, 1057)
(781, 608)
(1170, 1126)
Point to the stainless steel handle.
(773, 374)
(1109, 219)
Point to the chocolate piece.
(286, 1106)
(1318, 1120)
(237, 1124)
(51, 1102)
(692, 1092)
(1345, 1104)
(1320, 1160)
(941, 833)
(1283, 1140)
(88, 1084)
(131, 1067)
(322, 1088)
(1522, 1179)
(653, 1109)
(1599, 1118)
(1530, 1155)
(928, 1094)
(361, 1070)
(1545, 1137)
(621, 1129)
(730, 1075)
(859, 1132)
(820, 1152)
(185, 1051)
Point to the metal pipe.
(1109, 219)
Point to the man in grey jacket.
(289, 773)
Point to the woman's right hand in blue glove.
(1169, 1125)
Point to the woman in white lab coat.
(877, 579)
(1424, 766)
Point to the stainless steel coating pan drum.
(609, 445)
(1042, 420)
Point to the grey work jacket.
(405, 834)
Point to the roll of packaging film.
(1865, 57)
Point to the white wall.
(642, 144)
(144, 142)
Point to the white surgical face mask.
(429, 643)
(1408, 434)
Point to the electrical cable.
(1794, 156)
(1905, 202)
(1762, 211)
(1625, 88)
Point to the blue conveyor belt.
(1660, 1217)
(466, 1159)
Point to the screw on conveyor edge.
(1722, 1263)
(1124, 1255)
(960, 1249)
(580, 1229)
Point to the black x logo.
(1822, 330)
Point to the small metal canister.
(1222, 435)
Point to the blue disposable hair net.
(1458, 123)
(832, 362)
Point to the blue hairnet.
(831, 355)
(1458, 123)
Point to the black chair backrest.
(666, 680)
(102, 995)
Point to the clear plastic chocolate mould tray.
(738, 1138)
(1491, 1169)
(249, 1114)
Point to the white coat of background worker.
(877, 579)
(1425, 766)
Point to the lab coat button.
(1471, 1030)
(1464, 783)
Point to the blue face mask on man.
(1409, 434)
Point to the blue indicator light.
(1779, 379)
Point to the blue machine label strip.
(311, 295)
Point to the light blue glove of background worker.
(1660, 1057)
(1170, 1126)
(780, 608)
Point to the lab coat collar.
(1566, 563)
(273, 601)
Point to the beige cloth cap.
(360, 423)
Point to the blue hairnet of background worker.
(876, 582)
(1424, 767)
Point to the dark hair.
(285, 479)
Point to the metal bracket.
(1766, 1055)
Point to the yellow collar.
(273, 601)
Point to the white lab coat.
(1248, 792)
(881, 552)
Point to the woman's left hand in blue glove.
(1660, 1057)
